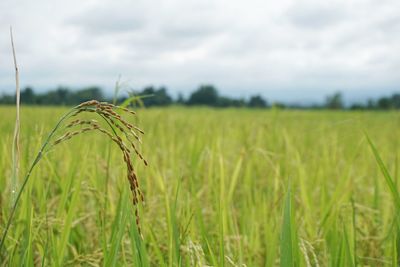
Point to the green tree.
(155, 97)
(396, 101)
(257, 101)
(334, 101)
(204, 95)
(7, 99)
(384, 103)
(28, 96)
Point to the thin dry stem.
(16, 145)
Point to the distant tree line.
(204, 95)
(335, 101)
(60, 96)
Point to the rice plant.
(121, 132)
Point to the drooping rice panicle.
(116, 122)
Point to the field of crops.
(229, 187)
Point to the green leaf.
(386, 175)
(289, 246)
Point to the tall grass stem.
(16, 145)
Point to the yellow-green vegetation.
(233, 187)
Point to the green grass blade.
(139, 252)
(386, 175)
(118, 230)
(348, 249)
(289, 246)
(68, 224)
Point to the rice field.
(223, 187)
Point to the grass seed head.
(121, 129)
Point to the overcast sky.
(286, 49)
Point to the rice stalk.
(16, 146)
(107, 113)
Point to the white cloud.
(243, 47)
